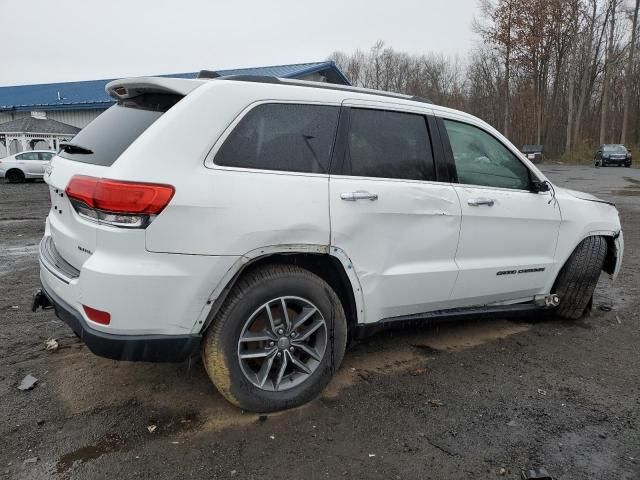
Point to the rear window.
(104, 139)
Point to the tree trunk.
(570, 108)
(590, 70)
(629, 75)
(507, 75)
(505, 126)
(605, 81)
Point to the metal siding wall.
(77, 118)
(7, 117)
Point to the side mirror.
(539, 187)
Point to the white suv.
(26, 165)
(264, 221)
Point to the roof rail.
(312, 84)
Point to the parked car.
(611, 154)
(263, 222)
(533, 152)
(25, 165)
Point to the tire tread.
(579, 276)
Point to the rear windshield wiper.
(73, 148)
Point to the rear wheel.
(578, 278)
(277, 340)
(15, 176)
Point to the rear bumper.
(141, 348)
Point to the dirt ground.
(447, 401)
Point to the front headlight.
(606, 155)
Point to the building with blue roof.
(78, 103)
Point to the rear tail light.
(118, 203)
(97, 316)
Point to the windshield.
(111, 133)
(615, 149)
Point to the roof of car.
(36, 151)
(338, 93)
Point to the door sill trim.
(451, 314)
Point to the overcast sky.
(50, 41)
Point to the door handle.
(359, 195)
(476, 202)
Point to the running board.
(452, 314)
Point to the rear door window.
(388, 144)
(28, 156)
(283, 137)
(110, 134)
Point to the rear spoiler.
(132, 87)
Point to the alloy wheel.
(282, 343)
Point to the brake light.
(118, 203)
(97, 316)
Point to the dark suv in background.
(611, 154)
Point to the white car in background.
(262, 222)
(25, 165)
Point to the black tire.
(15, 176)
(220, 346)
(578, 278)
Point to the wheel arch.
(14, 169)
(329, 264)
(611, 259)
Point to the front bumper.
(616, 161)
(141, 348)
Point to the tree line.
(561, 73)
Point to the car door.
(28, 163)
(398, 225)
(509, 231)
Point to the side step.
(453, 314)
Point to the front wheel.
(277, 340)
(596, 163)
(579, 276)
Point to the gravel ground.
(455, 401)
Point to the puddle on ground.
(107, 444)
(627, 192)
(632, 180)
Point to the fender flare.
(614, 238)
(218, 295)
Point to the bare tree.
(629, 74)
(606, 81)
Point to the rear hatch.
(140, 102)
